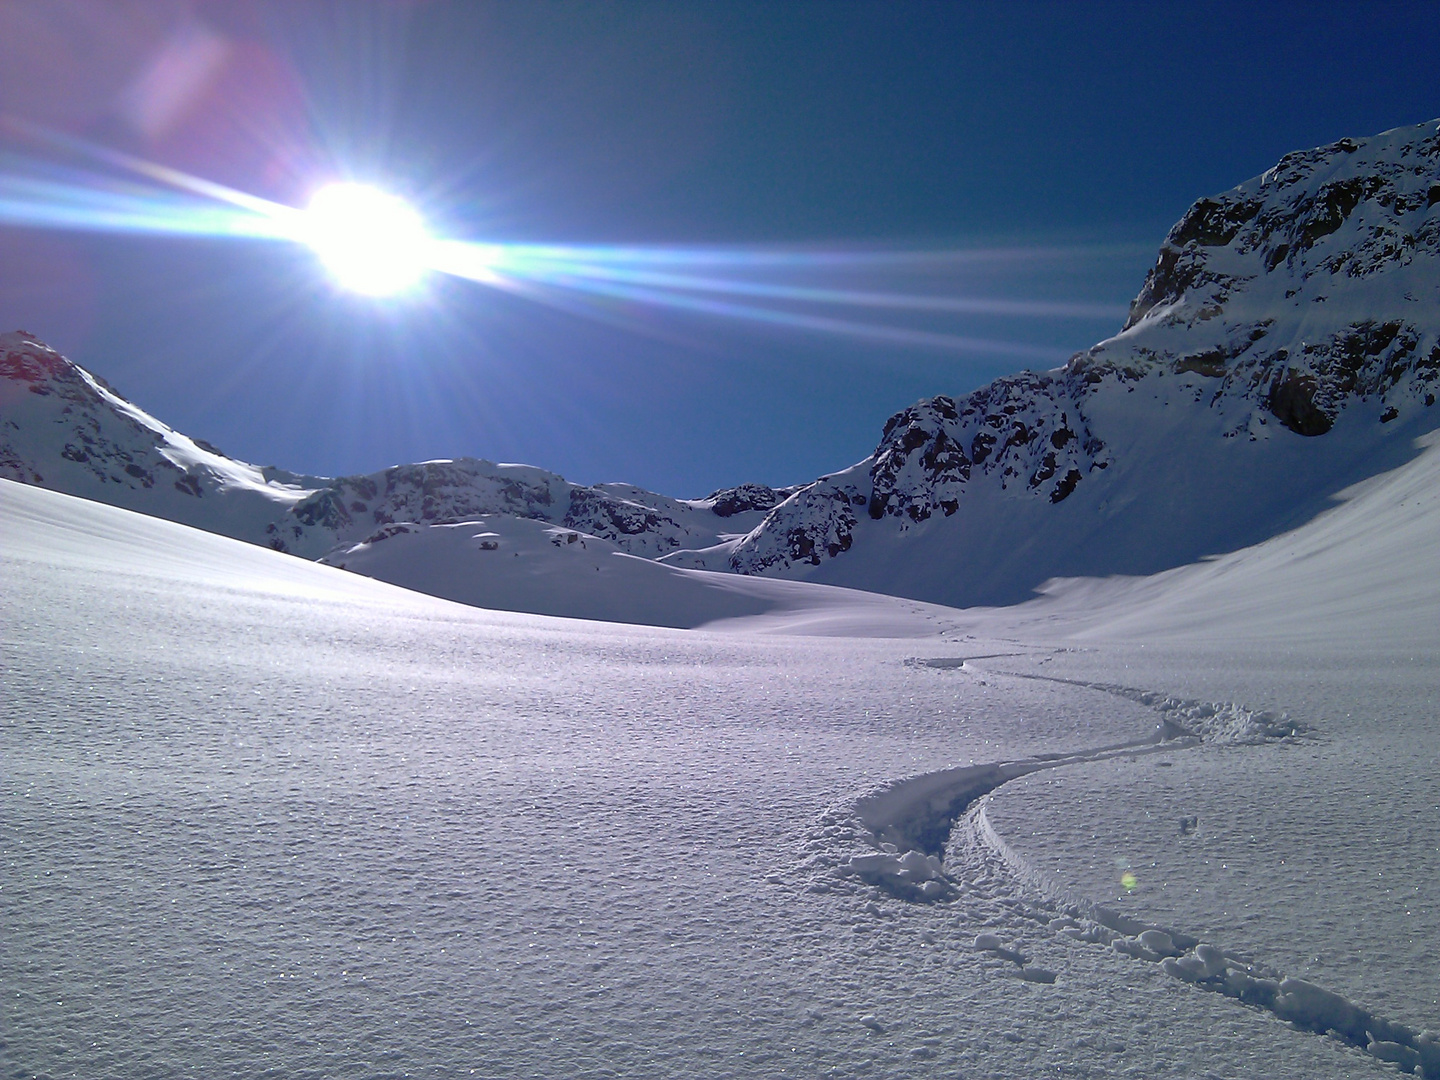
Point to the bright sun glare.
(377, 244)
(371, 241)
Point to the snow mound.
(518, 564)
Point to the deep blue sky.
(1070, 135)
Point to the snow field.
(306, 824)
(906, 816)
(1304, 1004)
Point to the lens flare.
(376, 244)
(371, 241)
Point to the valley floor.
(263, 817)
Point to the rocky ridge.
(1276, 308)
(61, 427)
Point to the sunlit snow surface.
(516, 564)
(262, 817)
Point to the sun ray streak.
(34, 203)
(798, 320)
(809, 257)
(723, 282)
(579, 267)
(163, 174)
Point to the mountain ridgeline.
(60, 427)
(1285, 345)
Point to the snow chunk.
(1212, 959)
(1157, 941)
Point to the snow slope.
(518, 564)
(1314, 856)
(1366, 569)
(260, 815)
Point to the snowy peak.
(63, 428)
(1302, 294)
(27, 362)
(1313, 284)
(727, 502)
(352, 509)
(1355, 208)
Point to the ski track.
(927, 839)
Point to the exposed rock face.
(1025, 431)
(727, 502)
(639, 525)
(1337, 226)
(814, 524)
(1299, 295)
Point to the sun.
(372, 242)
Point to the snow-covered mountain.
(65, 429)
(1285, 346)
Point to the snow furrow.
(1222, 722)
(1205, 965)
(928, 839)
(895, 835)
(1216, 722)
(907, 824)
